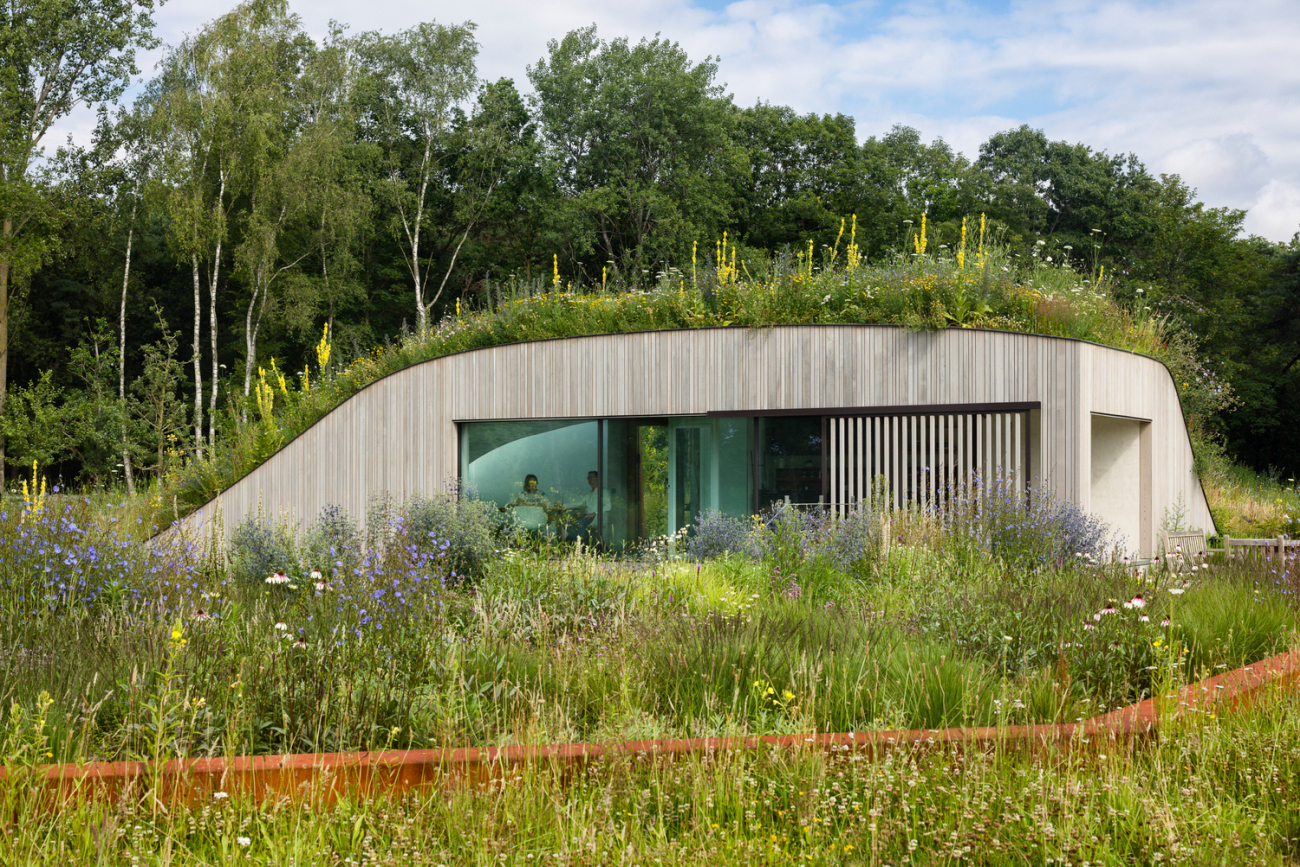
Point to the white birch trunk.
(198, 358)
(121, 354)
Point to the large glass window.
(542, 473)
(789, 460)
(663, 472)
(616, 482)
(610, 482)
(710, 461)
(635, 469)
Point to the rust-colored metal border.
(320, 778)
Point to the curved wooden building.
(628, 435)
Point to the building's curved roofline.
(616, 334)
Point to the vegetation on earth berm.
(164, 285)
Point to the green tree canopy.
(640, 140)
(57, 55)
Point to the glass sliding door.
(689, 456)
(635, 473)
(711, 462)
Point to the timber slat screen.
(923, 457)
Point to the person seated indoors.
(531, 496)
(586, 508)
(530, 509)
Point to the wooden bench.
(1185, 550)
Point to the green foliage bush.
(260, 547)
(464, 529)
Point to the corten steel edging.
(1233, 690)
(321, 778)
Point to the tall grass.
(1248, 504)
(1218, 792)
(144, 652)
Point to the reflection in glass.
(610, 482)
(636, 473)
(789, 460)
(710, 461)
(537, 471)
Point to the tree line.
(266, 191)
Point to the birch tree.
(190, 121)
(417, 79)
(268, 51)
(334, 183)
(224, 106)
(129, 138)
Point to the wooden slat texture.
(399, 434)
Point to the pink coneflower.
(1136, 602)
(300, 643)
(278, 578)
(1166, 622)
(1087, 625)
(1144, 619)
(281, 625)
(1109, 609)
(200, 614)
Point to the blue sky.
(1206, 89)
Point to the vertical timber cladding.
(399, 434)
(924, 453)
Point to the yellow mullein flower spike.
(961, 250)
(852, 252)
(279, 377)
(264, 394)
(323, 348)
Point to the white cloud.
(1223, 166)
(1276, 213)
(1201, 87)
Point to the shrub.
(333, 543)
(1025, 529)
(852, 541)
(792, 536)
(717, 534)
(454, 521)
(259, 547)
